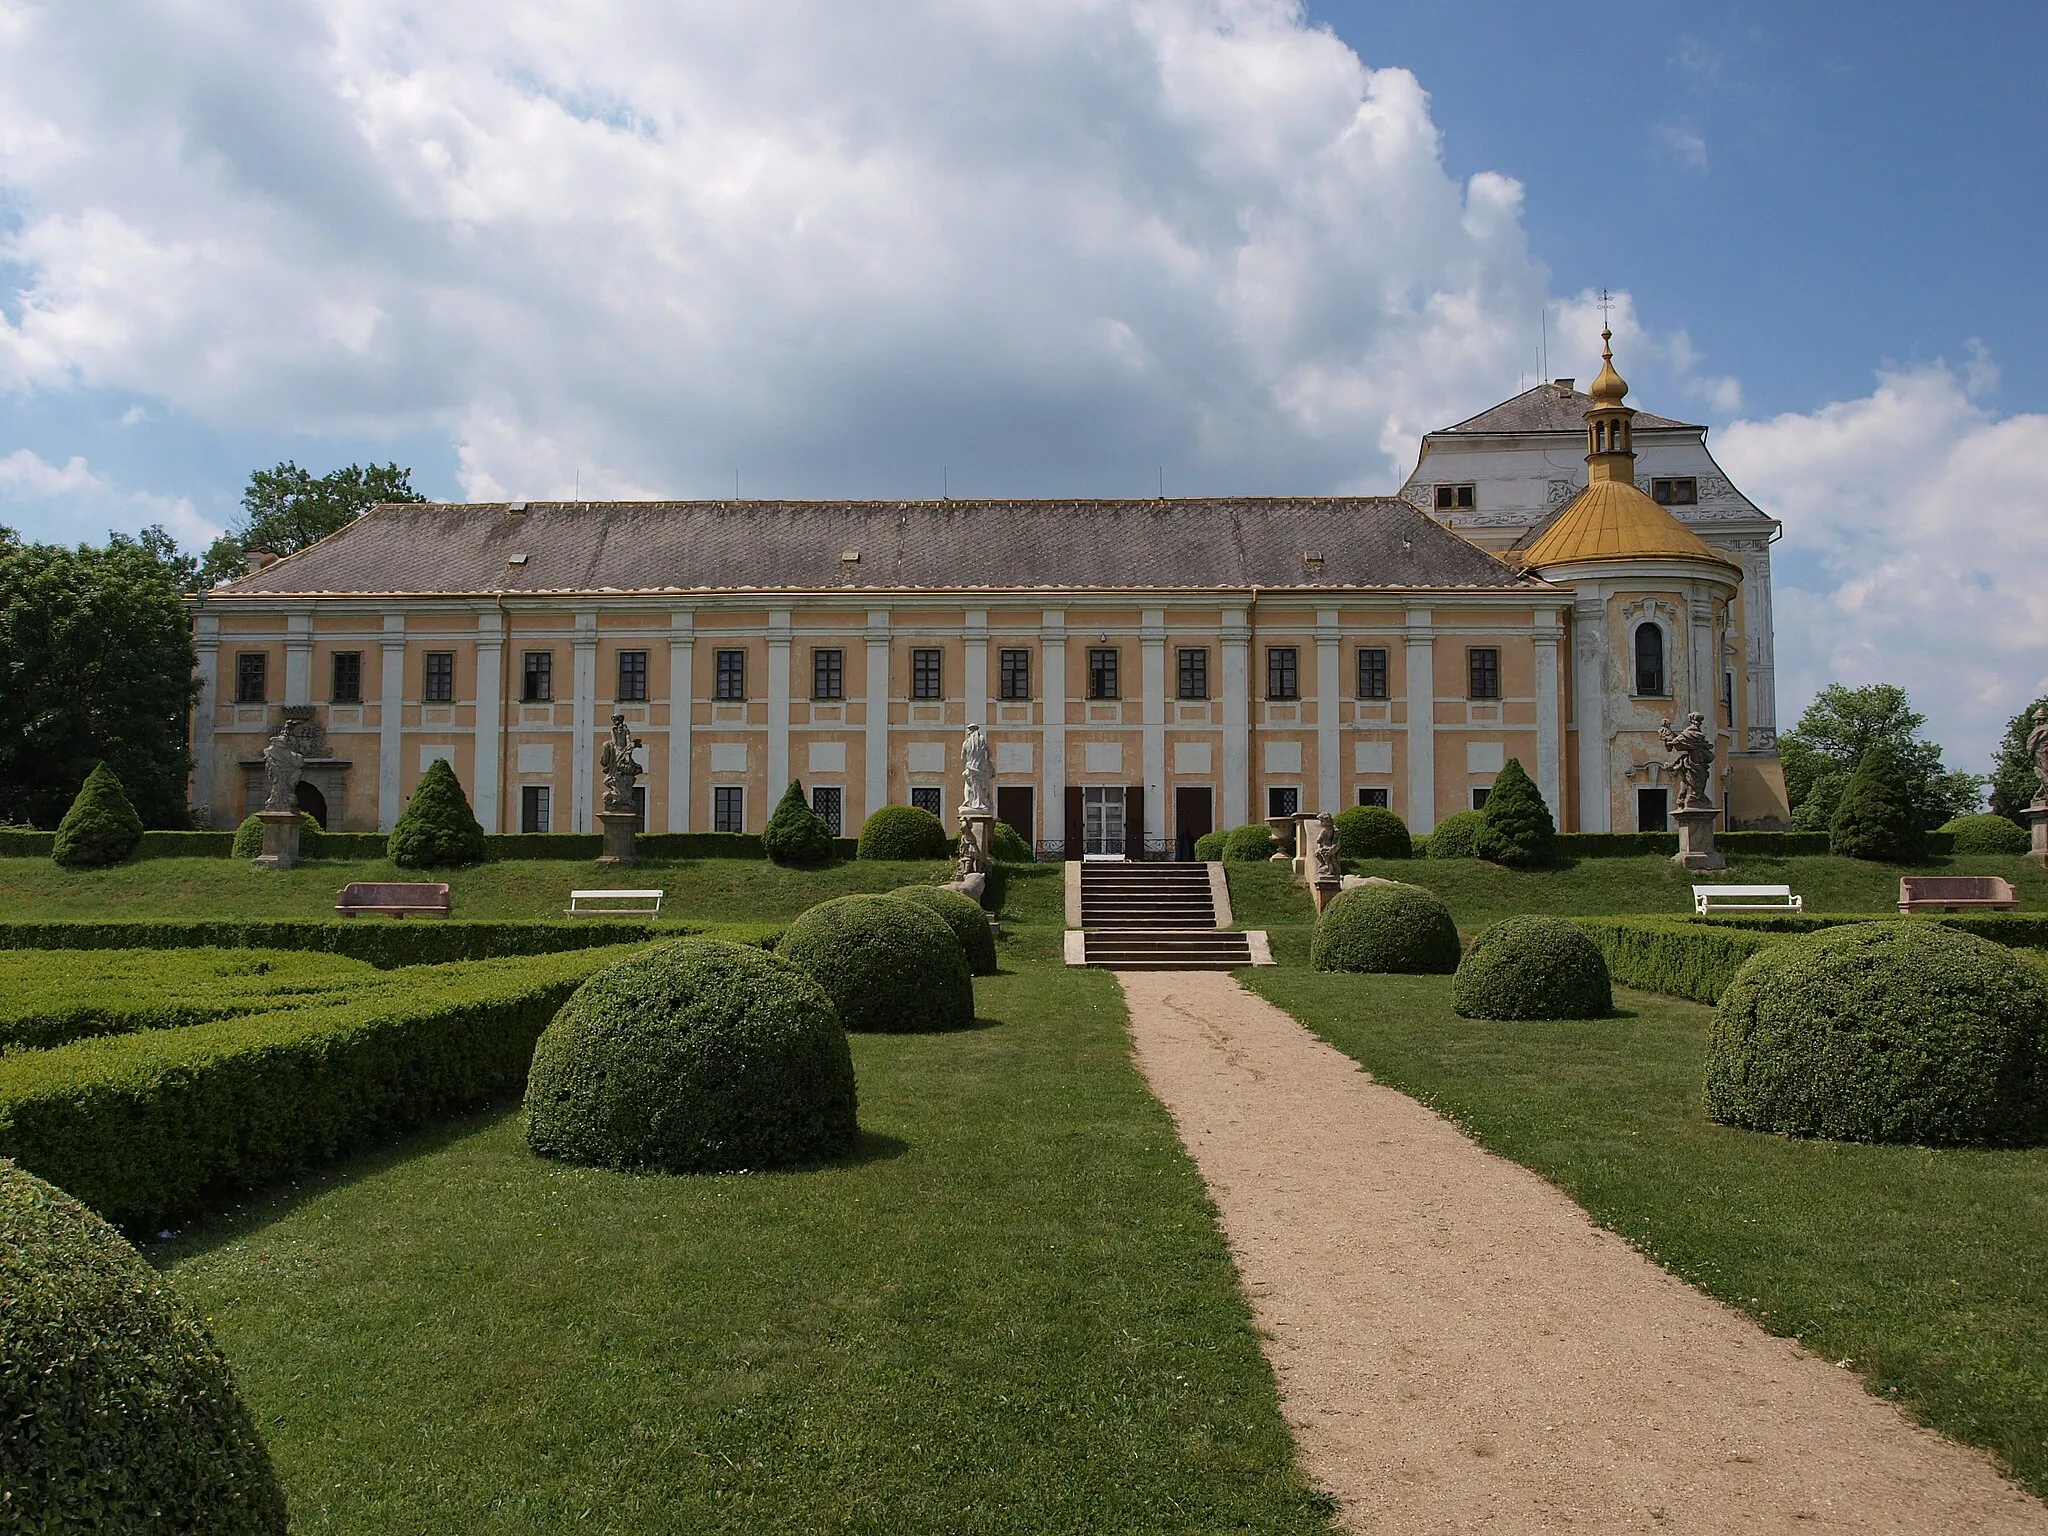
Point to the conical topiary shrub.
(796, 834)
(101, 827)
(1517, 829)
(1875, 819)
(438, 828)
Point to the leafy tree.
(101, 827)
(795, 833)
(1841, 725)
(1517, 830)
(96, 663)
(288, 508)
(2013, 785)
(1877, 816)
(437, 827)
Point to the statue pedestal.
(1326, 891)
(1696, 839)
(618, 839)
(280, 840)
(2037, 817)
(978, 832)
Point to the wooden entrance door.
(1015, 810)
(1193, 817)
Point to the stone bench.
(1745, 898)
(1956, 893)
(598, 903)
(394, 899)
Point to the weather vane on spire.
(1606, 303)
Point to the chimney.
(254, 560)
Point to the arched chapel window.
(1650, 660)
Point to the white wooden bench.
(601, 903)
(1746, 898)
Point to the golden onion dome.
(1609, 387)
(1613, 520)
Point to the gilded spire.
(1610, 434)
(1610, 388)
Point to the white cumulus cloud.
(75, 498)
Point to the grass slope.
(1926, 1271)
(1013, 1313)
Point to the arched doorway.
(310, 799)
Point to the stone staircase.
(1155, 917)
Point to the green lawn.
(1926, 1270)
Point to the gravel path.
(1459, 1348)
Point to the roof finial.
(1610, 388)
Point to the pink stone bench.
(1956, 893)
(392, 898)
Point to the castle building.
(1147, 671)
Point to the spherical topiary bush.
(249, 835)
(1533, 968)
(1399, 928)
(1897, 1031)
(1250, 844)
(1372, 832)
(903, 832)
(963, 915)
(886, 963)
(1209, 846)
(1988, 834)
(1457, 836)
(120, 1413)
(697, 1057)
(1008, 845)
(101, 827)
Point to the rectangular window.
(533, 808)
(829, 801)
(537, 677)
(1283, 800)
(732, 675)
(927, 674)
(348, 678)
(828, 675)
(1372, 673)
(1194, 674)
(1482, 663)
(1102, 682)
(1456, 498)
(1016, 674)
(1283, 672)
(1682, 491)
(632, 677)
(728, 806)
(931, 799)
(1382, 798)
(252, 673)
(440, 678)
(1479, 797)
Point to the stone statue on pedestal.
(282, 763)
(977, 774)
(2037, 754)
(620, 768)
(1692, 763)
(1328, 866)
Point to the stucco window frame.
(1668, 637)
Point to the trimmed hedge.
(1402, 929)
(1372, 832)
(887, 964)
(1892, 1032)
(1987, 834)
(1007, 844)
(904, 833)
(101, 827)
(120, 1411)
(963, 915)
(1677, 956)
(1533, 968)
(1456, 836)
(697, 1057)
(2013, 930)
(1250, 844)
(1209, 846)
(153, 1127)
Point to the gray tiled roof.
(1546, 408)
(670, 546)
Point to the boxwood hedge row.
(1674, 955)
(149, 1128)
(21, 843)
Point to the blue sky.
(533, 248)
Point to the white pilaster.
(391, 732)
(682, 656)
(1152, 672)
(582, 768)
(1589, 709)
(778, 704)
(877, 737)
(1545, 639)
(1758, 730)
(1052, 687)
(1421, 682)
(1236, 701)
(974, 686)
(206, 639)
(490, 709)
(1329, 715)
(1704, 655)
(298, 659)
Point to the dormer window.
(1683, 491)
(1456, 498)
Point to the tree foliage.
(96, 664)
(287, 508)
(2013, 785)
(1839, 727)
